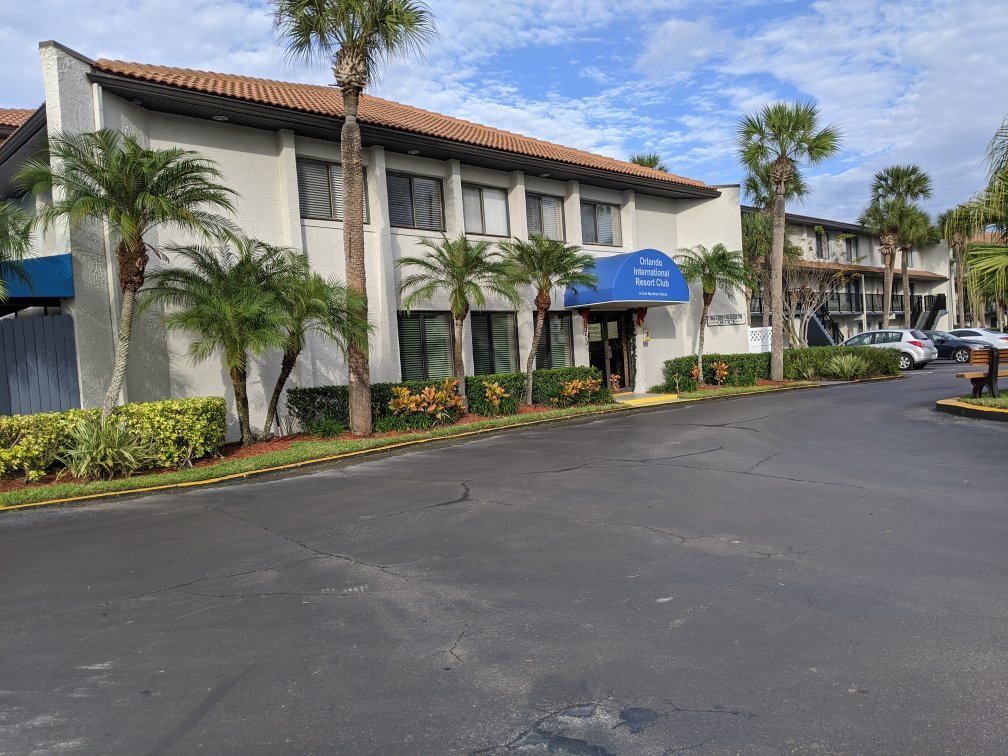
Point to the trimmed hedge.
(747, 369)
(316, 403)
(180, 430)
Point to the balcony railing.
(848, 303)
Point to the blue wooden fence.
(39, 371)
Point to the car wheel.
(906, 361)
(961, 355)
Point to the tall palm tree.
(15, 243)
(354, 37)
(957, 227)
(885, 218)
(109, 177)
(713, 269)
(917, 232)
(217, 295)
(778, 141)
(757, 244)
(465, 271)
(313, 304)
(910, 185)
(988, 209)
(649, 160)
(546, 264)
(761, 190)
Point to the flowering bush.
(578, 391)
(432, 405)
(494, 394)
(720, 372)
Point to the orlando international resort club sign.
(646, 278)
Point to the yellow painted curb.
(650, 401)
(302, 463)
(973, 410)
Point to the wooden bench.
(992, 359)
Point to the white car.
(983, 335)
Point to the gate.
(39, 365)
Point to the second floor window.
(485, 210)
(600, 223)
(851, 248)
(320, 190)
(415, 202)
(822, 246)
(545, 216)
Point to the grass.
(299, 452)
(987, 401)
(740, 390)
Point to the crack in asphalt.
(765, 459)
(534, 726)
(450, 651)
(716, 710)
(766, 475)
(691, 747)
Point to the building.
(856, 305)
(425, 174)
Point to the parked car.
(983, 336)
(952, 347)
(916, 349)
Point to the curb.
(975, 411)
(291, 466)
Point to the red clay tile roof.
(854, 268)
(14, 117)
(378, 112)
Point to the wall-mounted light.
(412, 152)
(219, 117)
(543, 175)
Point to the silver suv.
(916, 349)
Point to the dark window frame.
(412, 178)
(549, 343)
(329, 165)
(595, 204)
(563, 214)
(507, 211)
(423, 338)
(490, 341)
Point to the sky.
(913, 81)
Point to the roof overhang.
(645, 278)
(46, 279)
(168, 99)
(18, 141)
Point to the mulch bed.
(759, 382)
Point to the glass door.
(607, 348)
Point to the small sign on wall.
(730, 318)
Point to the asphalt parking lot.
(819, 570)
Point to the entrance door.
(607, 346)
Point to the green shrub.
(548, 385)
(880, 362)
(846, 367)
(325, 428)
(179, 431)
(743, 370)
(479, 402)
(97, 449)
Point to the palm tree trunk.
(700, 342)
(459, 364)
(239, 379)
(960, 287)
(904, 254)
(290, 356)
(536, 335)
(777, 289)
(359, 383)
(121, 352)
(887, 277)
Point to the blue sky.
(922, 81)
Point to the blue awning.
(48, 278)
(646, 278)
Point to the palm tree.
(885, 218)
(713, 269)
(649, 160)
(465, 271)
(354, 37)
(910, 185)
(546, 264)
(109, 177)
(217, 295)
(761, 190)
(957, 227)
(988, 209)
(313, 304)
(776, 142)
(917, 231)
(15, 243)
(757, 244)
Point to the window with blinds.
(555, 344)
(485, 210)
(320, 190)
(545, 216)
(600, 223)
(425, 346)
(415, 202)
(494, 342)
